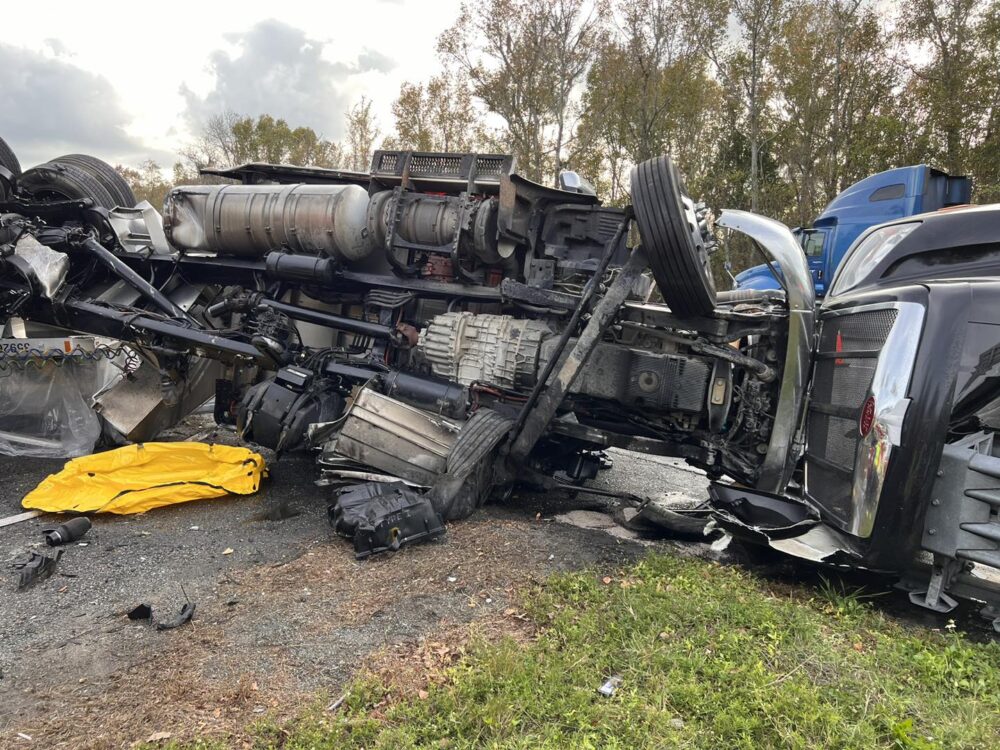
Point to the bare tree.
(759, 21)
(215, 144)
(574, 30)
(362, 133)
(742, 62)
(436, 116)
(524, 59)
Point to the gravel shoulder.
(286, 616)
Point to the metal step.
(981, 556)
(989, 531)
(991, 497)
(988, 465)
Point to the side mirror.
(571, 182)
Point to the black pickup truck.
(444, 321)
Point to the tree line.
(770, 105)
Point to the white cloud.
(155, 66)
(278, 70)
(54, 107)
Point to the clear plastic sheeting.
(46, 391)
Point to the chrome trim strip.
(779, 242)
(889, 387)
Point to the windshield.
(867, 254)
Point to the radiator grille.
(865, 330)
(848, 353)
(844, 380)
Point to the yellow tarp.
(140, 477)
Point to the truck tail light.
(867, 418)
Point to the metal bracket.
(934, 598)
(397, 201)
(550, 390)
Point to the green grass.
(710, 656)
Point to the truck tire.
(7, 158)
(104, 173)
(64, 182)
(677, 249)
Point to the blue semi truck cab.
(885, 196)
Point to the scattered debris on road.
(144, 612)
(71, 531)
(185, 615)
(140, 612)
(33, 567)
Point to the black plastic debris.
(140, 612)
(145, 612)
(70, 531)
(382, 517)
(347, 511)
(33, 567)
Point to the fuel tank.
(252, 220)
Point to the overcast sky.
(131, 81)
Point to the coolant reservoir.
(251, 220)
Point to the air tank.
(252, 220)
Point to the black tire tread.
(66, 181)
(475, 440)
(8, 159)
(684, 283)
(104, 173)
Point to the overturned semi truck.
(442, 328)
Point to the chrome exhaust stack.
(779, 242)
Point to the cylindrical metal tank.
(434, 219)
(252, 220)
(426, 219)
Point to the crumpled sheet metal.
(779, 522)
(144, 476)
(48, 266)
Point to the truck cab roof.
(868, 197)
